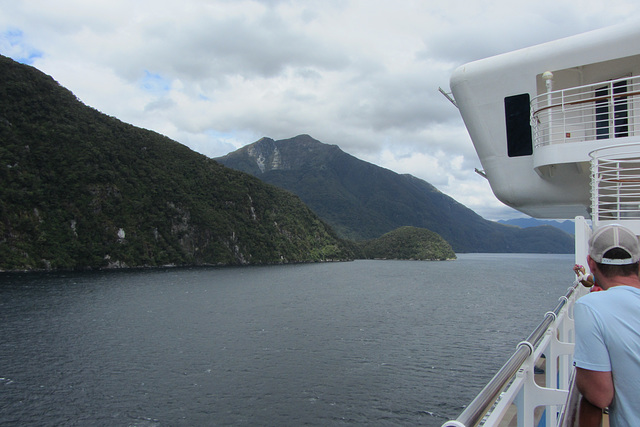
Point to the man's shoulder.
(622, 291)
(590, 298)
(613, 292)
(598, 300)
(612, 302)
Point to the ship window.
(517, 118)
(602, 113)
(620, 111)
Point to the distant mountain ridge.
(363, 201)
(568, 226)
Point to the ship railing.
(604, 110)
(615, 185)
(515, 392)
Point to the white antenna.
(481, 173)
(448, 96)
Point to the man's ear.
(591, 263)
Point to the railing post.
(595, 211)
(563, 346)
(547, 76)
(582, 235)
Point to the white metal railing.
(602, 110)
(615, 185)
(515, 386)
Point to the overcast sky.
(216, 75)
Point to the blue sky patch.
(155, 83)
(13, 45)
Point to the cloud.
(219, 74)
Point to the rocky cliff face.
(266, 155)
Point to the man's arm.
(595, 386)
(589, 415)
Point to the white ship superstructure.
(535, 114)
(557, 130)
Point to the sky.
(216, 75)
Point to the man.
(607, 351)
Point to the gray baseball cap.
(610, 237)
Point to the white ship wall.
(479, 88)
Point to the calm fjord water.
(364, 342)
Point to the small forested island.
(410, 243)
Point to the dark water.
(365, 342)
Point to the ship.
(556, 127)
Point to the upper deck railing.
(615, 185)
(603, 110)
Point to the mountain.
(363, 201)
(409, 243)
(568, 226)
(80, 189)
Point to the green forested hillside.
(80, 189)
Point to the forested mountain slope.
(79, 189)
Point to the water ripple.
(375, 342)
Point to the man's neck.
(612, 282)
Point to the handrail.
(599, 110)
(586, 101)
(485, 400)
